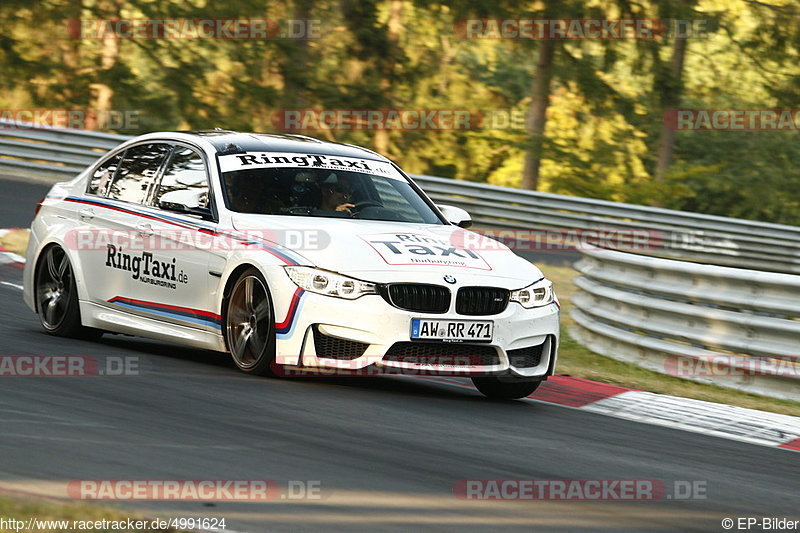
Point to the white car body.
(182, 298)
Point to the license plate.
(451, 330)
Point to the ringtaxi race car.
(289, 253)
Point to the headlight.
(329, 283)
(536, 295)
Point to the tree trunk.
(537, 114)
(295, 66)
(98, 115)
(671, 98)
(393, 28)
(101, 94)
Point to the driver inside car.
(336, 194)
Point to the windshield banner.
(255, 160)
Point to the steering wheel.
(359, 206)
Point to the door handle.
(144, 229)
(87, 213)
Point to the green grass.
(578, 361)
(25, 507)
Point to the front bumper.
(377, 326)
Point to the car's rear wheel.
(57, 296)
(504, 388)
(250, 324)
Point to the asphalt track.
(385, 451)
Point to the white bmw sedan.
(288, 253)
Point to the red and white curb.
(697, 416)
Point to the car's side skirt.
(118, 321)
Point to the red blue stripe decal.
(197, 316)
(206, 318)
(285, 328)
(159, 218)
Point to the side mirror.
(186, 201)
(456, 215)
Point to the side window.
(137, 172)
(184, 181)
(101, 179)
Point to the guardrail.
(676, 234)
(731, 327)
(529, 214)
(25, 148)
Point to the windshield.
(320, 186)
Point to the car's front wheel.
(250, 324)
(504, 388)
(57, 296)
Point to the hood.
(378, 251)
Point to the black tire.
(56, 295)
(250, 324)
(504, 388)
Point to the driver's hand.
(345, 207)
